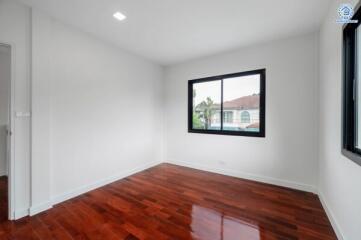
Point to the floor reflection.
(208, 224)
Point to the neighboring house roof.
(253, 125)
(247, 102)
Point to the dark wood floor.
(172, 202)
(3, 198)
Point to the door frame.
(10, 161)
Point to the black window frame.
(262, 110)
(349, 126)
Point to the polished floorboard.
(3, 198)
(171, 202)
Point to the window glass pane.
(358, 89)
(241, 97)
(207, 105)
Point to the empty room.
(180, 120)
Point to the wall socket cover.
(22, 114)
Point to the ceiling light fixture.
(119, 16)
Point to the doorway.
(5, 130)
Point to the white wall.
(340, 178)
(287, 156)
(15, 29)
(5, 74)
(97, 112)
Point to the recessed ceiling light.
(119, 16)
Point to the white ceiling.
(171, 31)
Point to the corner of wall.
(163, 142)
(331, 216)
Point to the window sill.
(356, 158)
(231, 133)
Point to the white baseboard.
(258, 178)
(92, 186)
(285, 183)
(63, 197)
(331, 217)
(66, 196)
(40, 208)
(21, 213)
